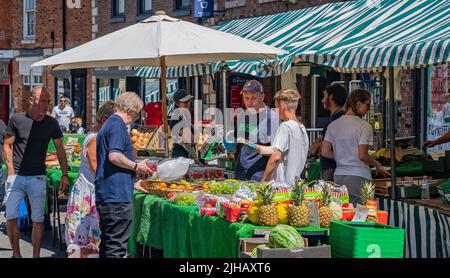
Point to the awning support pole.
(164, 106)
(392, 130)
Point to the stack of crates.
(366, 240)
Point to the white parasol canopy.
(160, 41)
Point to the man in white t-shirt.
(63, 113)
(290, 147)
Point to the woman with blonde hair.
(82, 231)
(347, 141)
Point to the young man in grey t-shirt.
(290, 147)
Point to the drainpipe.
(64, 33)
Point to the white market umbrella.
(160, 41)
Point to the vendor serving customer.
(290, 146)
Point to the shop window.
(29, 19)
(181, 7)
(118, 87)
(152, 92)
(109, 89)
(103, 91)
(37, 80)
(118, 8)
(144, 7)
(438, 102)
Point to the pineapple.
(298, 213)
(268, 213)
(368, 194)
(325, 213)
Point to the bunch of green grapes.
(217, 188)
(185, 199)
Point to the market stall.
(426, 224)
(216, 221)
(181, 232)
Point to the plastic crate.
(414, 191)
(366, 240)
(444, 192)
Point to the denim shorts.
(34, 187)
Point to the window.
(144, 6)
(37, 80)
(29, 19)
(182, 4)
(118, 8)
(109, 89)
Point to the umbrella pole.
(392, 130)
(164, 105)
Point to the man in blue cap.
(250, 165)
(183, 101)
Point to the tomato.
(170, 195)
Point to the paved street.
(47, 251)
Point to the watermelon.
(253, 254)
(285, 236)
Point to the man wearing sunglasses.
(63, 113)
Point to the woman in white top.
(347, 141)
(82, 231)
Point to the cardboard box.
(246, 246)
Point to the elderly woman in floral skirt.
(82, 231)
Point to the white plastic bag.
(244, 193)
(173, 169)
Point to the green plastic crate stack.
(366, 240)
(444, 191)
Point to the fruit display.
(367, 199)
(234, 212)
(140, 139)
(268, 213)
(283, 213)
(253, 212)
(201, 140)
(196, 172)
(285, 236)
(184, 199)
(225, 187)
(325, 213)
(298, 212)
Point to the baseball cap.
(181, 95)
(253, 86)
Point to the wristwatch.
(135, 166)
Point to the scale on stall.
(213, 148)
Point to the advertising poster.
(438, 116)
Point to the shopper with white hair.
(114, 177)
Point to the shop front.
(5, 90)
(72, 85)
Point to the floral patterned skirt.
(82, 232)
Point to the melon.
(283, 211)
(285, 236)
(253, 212)
(253, 254)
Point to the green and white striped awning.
(151, 90)
(355, 36)
(363, 35)
(175, 72)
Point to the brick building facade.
(34, 30)
(89, 19)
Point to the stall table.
(181, 232)
(426, 224)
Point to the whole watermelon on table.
(285, 236)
